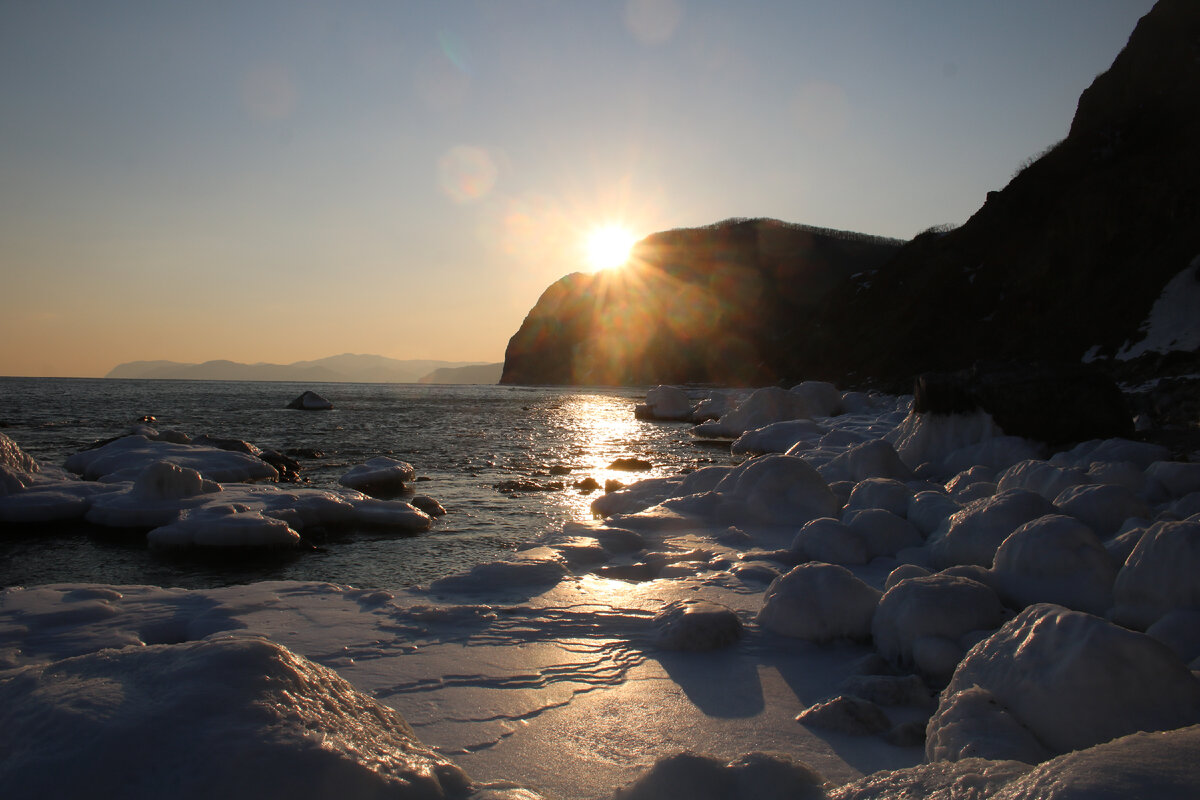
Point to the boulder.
(311, 401)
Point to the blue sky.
(277, 181)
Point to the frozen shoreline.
(550, 671)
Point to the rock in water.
(311, 401)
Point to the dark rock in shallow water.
(304, 452)
(427, 504)
(311, 401)
(1053, 403)
(288, 468)
(587, 485)
(630, 464)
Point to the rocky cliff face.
(719, 304)
(1066, 260)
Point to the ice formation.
(819, 602)
(380, 477)
(1055, 559)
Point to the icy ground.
(945, 610)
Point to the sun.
(608, 247)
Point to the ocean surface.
(467, 441)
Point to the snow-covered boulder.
(755, 776)
(778, 490)
(819, 602)
(873, 459)
(903, 572)
(226, 717)
(778, 437)
(52, 501)
(927, 510)
(971, 536)
(125, 458)
(1141, 454)
(886, 493)
(665, 403)
(379, 477)
(310, 401)
(696, 625)
(1102, 507)
(1160, 575)
(969, 779)
(1073, 680)
(883, 533)
(536, 569)
(1055, 559)
(1042, 477)
(637, 497)
(925, 623)
(820, 398)
(224, 526)
(1177, 477)
(972, 723)
(997, 453)
(929, 438)
(829, 541)
(160, 493)
(1179, 630)
(764, 406)
(714, 407)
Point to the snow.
(1172, 323)
(820, 603)
(124, 459)
(1072, 680)
(380, 477)
(607, 654)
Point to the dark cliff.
(718, 304)
(1066, 259)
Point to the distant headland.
(345, 368)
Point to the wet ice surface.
(573, 666)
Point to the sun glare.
(608, 247)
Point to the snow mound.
(820, 398)
(754, 776)
(1073, 680)
(1102, 507)
(929, 438)
(230, 526)
(665, 403)
(971, 536)
(379, 477)
(829, 541)
(1141, 454)
(969, 779)
(819, 602)
(997, 453)
(1160, 574)
(886, 493)
(924, 623)
(846, 714)
(1177, 477)
(11, 455)
(1055, 559)
(873, 459)
(763, 407)
(52, 501)
(929, 509)
(779, 490)
(883, 533)
(529, 569)
(696, 625)
(125, 458)
(236, 718)
(778, 437)
(972, 723)
(1042, 477)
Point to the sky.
(283, 181)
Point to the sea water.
(473, 444)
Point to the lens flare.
(608, 247)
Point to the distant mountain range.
(346, 368)
(478, 373)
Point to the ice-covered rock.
(755, 776)
(380, 477)
(224, 526)
(903, 572)
(125, 458)
(233, 717)
(1042, 477)
(13, 480)
(1162, 766)
(537, 568)
(1102, 507)
(764, 406)
(160, 493)
(714, 407)
(11, 455)
(886, 493)
(1073, 680)
(778, 490)
(873, 459)
(1055, 559)
(820, 398)
(310, 401)
(969, 779)
(997, 453)
(1141, 454)
(1177, 477)
(972, 723)
(778, 437)
(52, 501)
(829, 541)
(639, 496)
(1160, 574)
(696, 625)
(971, 536)
(921, 622)
(665, 403)
(929, 438)
(929, 509)
(846, 714)
(888, 690)
(819, 602)
(1179, 630)
(883, 533)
